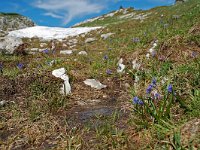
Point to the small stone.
(9, 44)
(43, 45)
(66, 52)
(127, 85)
(107, 35)
(2, 103)
(34, 49)
(105, 96)
(94, 84)
(82, 53)
(90, 40)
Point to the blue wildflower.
(157, 95)
(154, 81)
(169, 88)
(20, 65)
(136, 101)
(194, 54)
(1, 68)
(136, 40)
(149, 89)
(108, 72)
(153, 53)
(105, 57)
(46, 51)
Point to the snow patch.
(50, 33)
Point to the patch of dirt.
(190, 133)
(195, 30)
(178, 54)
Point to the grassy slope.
(39, 117)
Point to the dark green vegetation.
(36, 116)
(9, 14)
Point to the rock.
(121, 67)
(180, 1)
(66, 87)
(64, 45)
(147, 55)
(127, 85)
(41, 50)
(136, 65)
(152, 50)
(72, 46)
(2, 103)
(82, 35)
(43, 45)
(12, 21)
(66, 52)
(94, 84)
(107, 35)
(9, 44)
(90, 40)
(73, 41)
(190, 132)
(31, 52)
(3, 33)
(82, 53)
(34, 49)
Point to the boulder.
(107, 35)
(90, 40)
(66, 52)
(94, 84)
(61, 73)
(82, 53)
(9, 44)
(180, 1)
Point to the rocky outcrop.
(180, 1)
(11, 21)
(9, 44)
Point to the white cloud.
(52, 15)
(69, 9)
(163, 1)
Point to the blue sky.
(65, 13)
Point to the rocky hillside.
(132, 84)
(12, 21)
(115, 17)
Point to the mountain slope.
(154, 103)
(12, 21)
(114, 17)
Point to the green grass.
(42, 111)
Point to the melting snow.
(49, 33)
